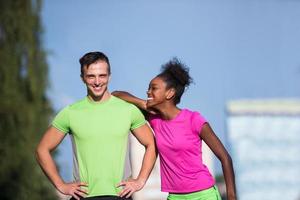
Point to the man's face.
(96, 78)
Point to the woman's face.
(157, 92)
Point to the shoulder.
(195, 119)
(189, 114)
(192, 114)
(120, 102)
(117, 100)
(78, 104)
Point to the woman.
(179, 133)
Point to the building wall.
(265, 150)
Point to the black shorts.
(104, 198)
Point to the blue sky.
(235, 49)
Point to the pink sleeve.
(197, 122)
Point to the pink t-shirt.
(179, 146)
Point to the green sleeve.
(61, 120)
(137, 118)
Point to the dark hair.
(92, 57)
(176, 75)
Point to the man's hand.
(73, 189)
(130, 186)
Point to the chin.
(97, 95)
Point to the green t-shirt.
(99, 133)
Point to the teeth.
(149, 98)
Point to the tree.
(24, 107)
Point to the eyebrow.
(104, 74)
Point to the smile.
(97, 88)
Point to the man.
(98, 126)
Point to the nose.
(97, 81)
(148, 92)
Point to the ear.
(82, 78)
(170, 93)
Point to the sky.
(234, 49)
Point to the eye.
(90, 76)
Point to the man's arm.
(51, 139)
(145, 136)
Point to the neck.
(106, 95)
(168, 111)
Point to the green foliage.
(24, 108)
(219, 178)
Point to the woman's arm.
(210, 138)
(131, 99)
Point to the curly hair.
(176, 75)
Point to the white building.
(265, 142)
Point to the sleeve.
(61, 120)
(137, 118)
(197, 122)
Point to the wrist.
(141, 181)
(144, 105)
(58, 185)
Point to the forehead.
(97, 67)
(157, 81)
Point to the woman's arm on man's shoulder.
(126, 96)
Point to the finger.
(75, 196)
(122, 183)
(80, 193)
(83, 191)
(124, 192)
(121, 194)
(82, 184)
(129, 194)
